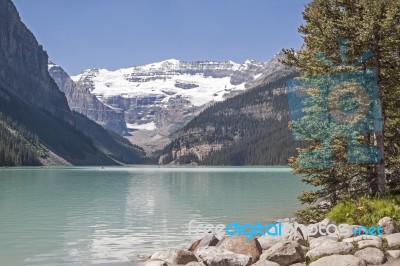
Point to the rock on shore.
(292, 250)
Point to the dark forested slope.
(248, 129)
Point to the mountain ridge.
(159, 98)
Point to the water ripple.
(117, 216)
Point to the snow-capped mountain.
(160, 98)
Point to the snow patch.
(148, 126)
(158, 78)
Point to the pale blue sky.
(81, 34)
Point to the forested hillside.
(17, 145)
(248, 129)
(28, 133)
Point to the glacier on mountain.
(158, 99)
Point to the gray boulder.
(353, 231)
(265, 263)
(389, 225)
(393, 240)
(194, 245)
(334, 248)
(174, 256)
(284, 253)
(208, 240)
(295, 232)
(371, 255)
(361, 237)
(339, 260)
(369, 243)
(215, 256)
(240, 245)
(193, 263)
(392, 262)
(324, 223)
(299, 238)
(305, 249)
(394, 253)
(268, 241)
(155, 263)
(322, 241)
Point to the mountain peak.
(167, 94)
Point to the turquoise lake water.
(114, 216)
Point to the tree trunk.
(379, 132)
(380, 168)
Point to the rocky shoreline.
(290, 250)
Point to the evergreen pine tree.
(367, 25)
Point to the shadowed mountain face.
(23, 65)
(82, 101)
(36, 112)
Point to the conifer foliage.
(18, 146)
(367, 26)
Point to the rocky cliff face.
(23, 65)
(82, 101)
(160, 98)
(36, 112)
